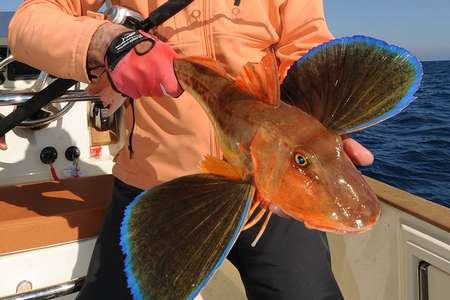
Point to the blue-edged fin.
(353, 83)
(175, 235)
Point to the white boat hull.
(382, 264)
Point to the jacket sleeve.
(54, 35)
(303, 27)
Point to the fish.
(282, 147)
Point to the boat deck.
(47, 213)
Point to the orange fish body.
(264, 143)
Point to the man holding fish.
(168, 137)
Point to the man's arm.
(54, 35)
(303, 27)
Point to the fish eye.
(301, 160)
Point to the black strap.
(133, 124)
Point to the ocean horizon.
(439, 60)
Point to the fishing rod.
(59, 87)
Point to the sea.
(412, 149)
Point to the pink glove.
(140, 65)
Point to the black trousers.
(289, 262)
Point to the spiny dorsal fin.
(353, 83)
(261, 80)
(216, 166)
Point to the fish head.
(313, 181)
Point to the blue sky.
(421, 26)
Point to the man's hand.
(137, 62)
(360, 155)
(3, 145)
(140, 65)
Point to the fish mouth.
(341, 213)
(360, 226)
(326, 224)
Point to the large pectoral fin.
(353, 83)
(175, 235)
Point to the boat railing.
(50, 292)
(54, 110)
(15, 98)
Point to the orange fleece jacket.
(170, 136)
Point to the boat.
(55, 187)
